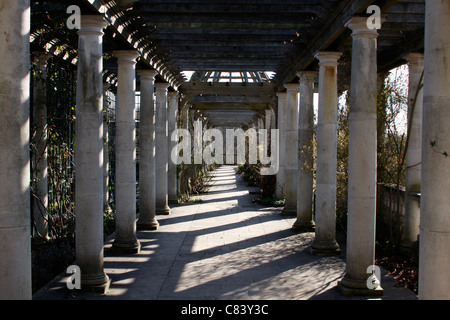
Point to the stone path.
(222, 246)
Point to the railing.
(391, 209)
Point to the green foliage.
(272, 202)
(60, 90)
(392, 149)
(342, 165)
(250, 173)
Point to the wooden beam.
(229, 106)
(201, 88)
(393, 56)
(220, 8)
(227, 67)
(254, 37)
(223, 98)
(334, 26)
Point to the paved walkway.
(222, 246)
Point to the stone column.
(435, 201)
(125, 184)
(147, 214)
(326, 165)
(268, 124)
(291, 150)
(172, 115)
(185, 120)
(259, 136)
(282, 141)
(267, 120)
(89, 155)
(362, 161)
(15, 244)
(106, 207)
(162, 152)
(411, 227)
(305, 176)
(40, 165)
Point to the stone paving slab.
(222, 247)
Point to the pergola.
(250, 60)
(249, 38)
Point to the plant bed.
(404, 269)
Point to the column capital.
(359, 27)
(173, 94)
(147, 74)
(129, 56)
(291, 86)
(414, 58)
(307, 75)
(281, 95)
(162, 86)
(92, 25)
(328, 58)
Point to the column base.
(350, 288)
(120, 247)
(153, 225)
(325, 249)
(97, 284)
(304, 226)
(289, 212)
(163, 211)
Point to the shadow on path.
(222, 247)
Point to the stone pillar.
(326, 165)
(172, 115)
(291, 150)
(259, 136)
(282, 141)
(435, 201)
(305, 175)
(185, 120)
(125, 184)
(40, 165)
(362, 161)
(147, 214)
(162, 152)
(269, 125)
(267, 120)
(106, 207)
(411, 227)
(89, 155)
(15, 244)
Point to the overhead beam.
(222, 8)
(233, 67)
(230, 37)
(334, 27)
(124, 29)
(394, 56)
(222, 98)
(201, 88)
(230, 106)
